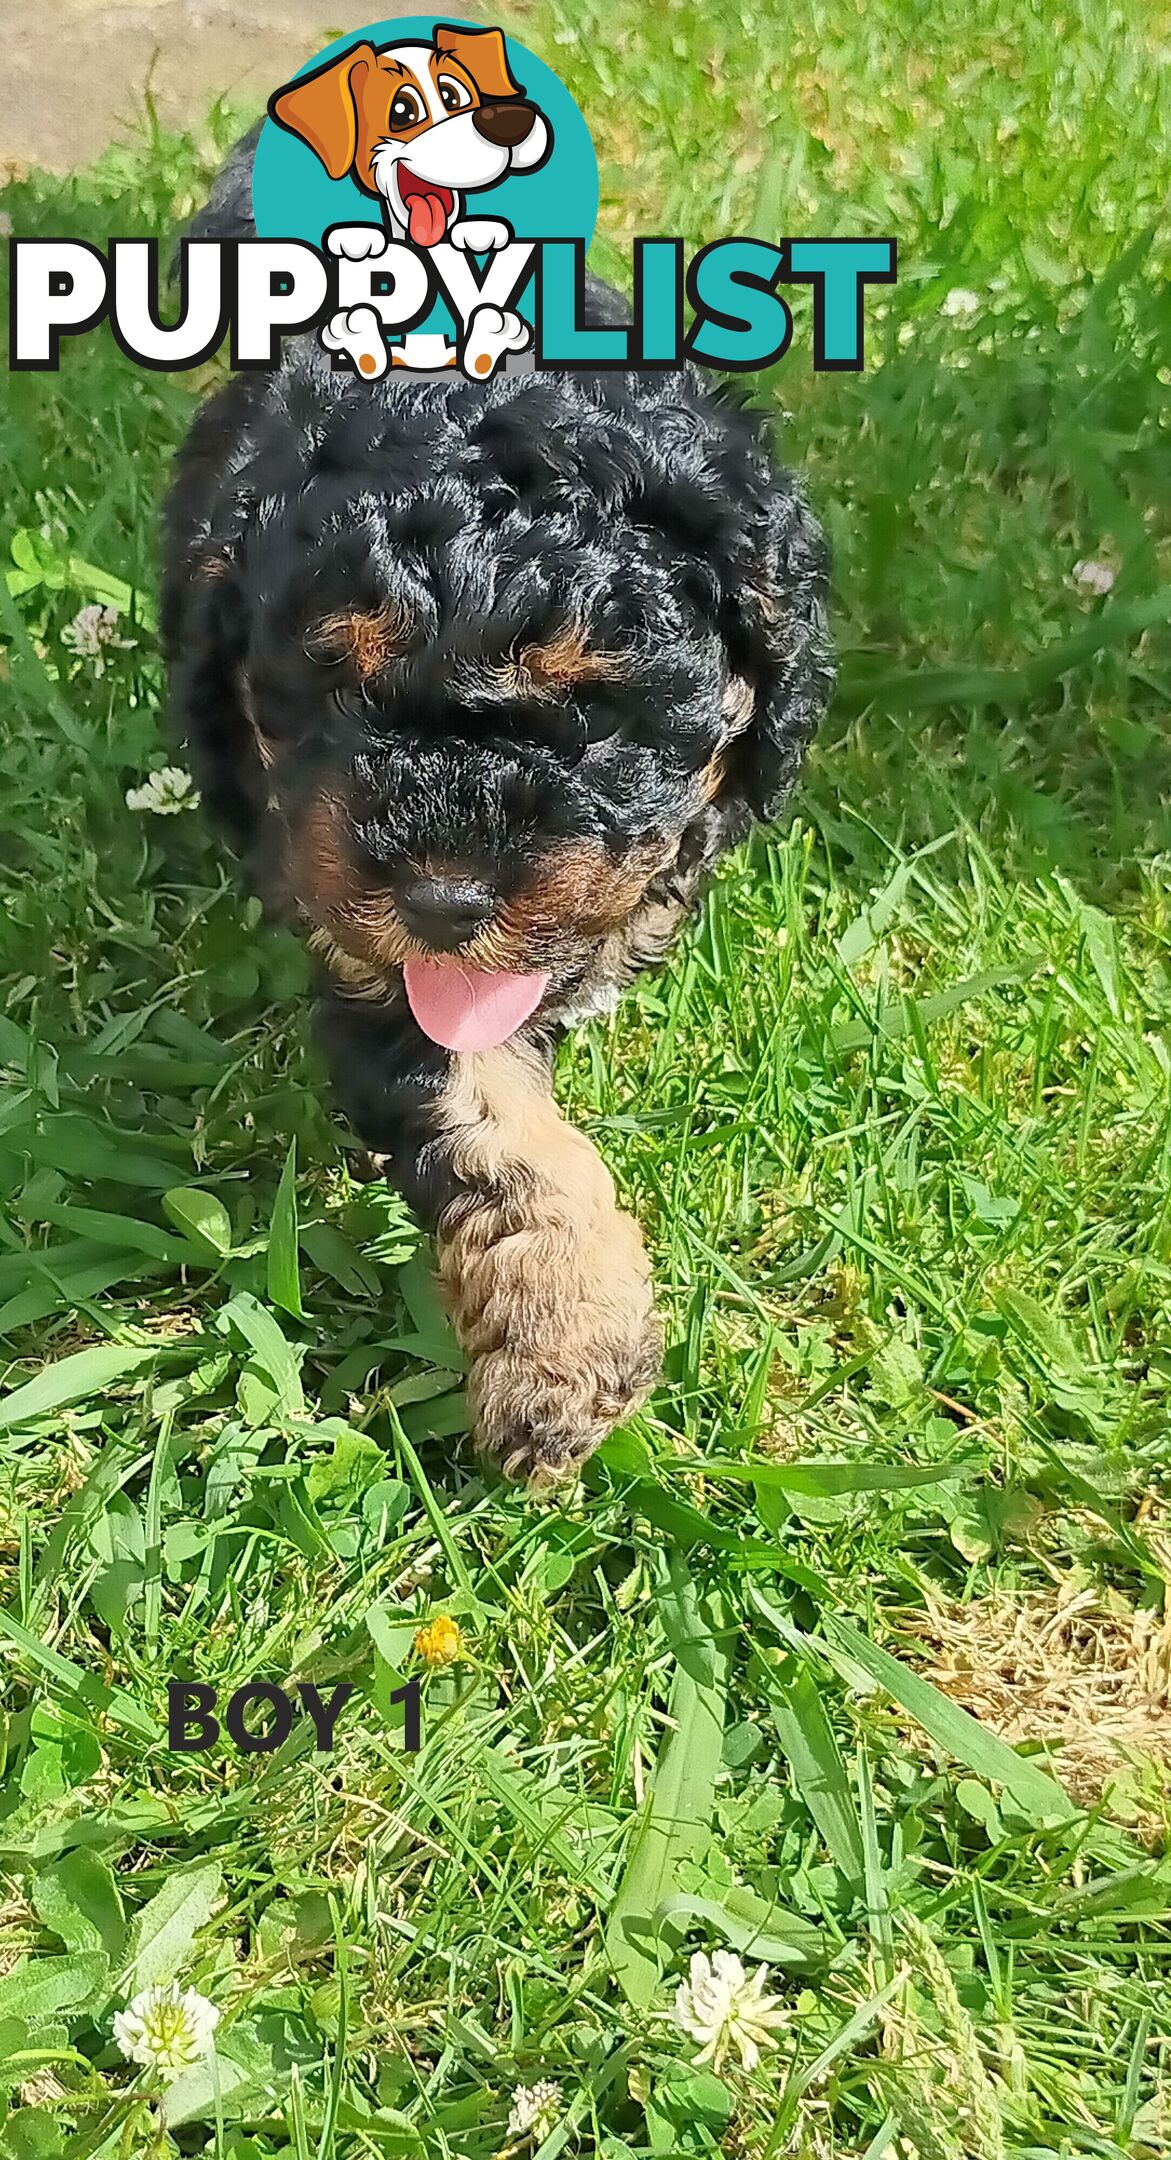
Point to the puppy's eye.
(406, 109)
(455, 95)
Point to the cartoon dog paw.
(491, 333)
(357, 332)
(480, 236)
(356, 243)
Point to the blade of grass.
(676, 1823)
(819, 1772)
(284, 1272)
(1038, 1796)
(73, 1379)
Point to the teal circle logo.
(315, 164)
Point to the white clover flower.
(535, 2109)
(93, 632)
(166, 2029)
(961, 303)
(1095, 577)
(5, 224)
(165, 792)
(722, 2008)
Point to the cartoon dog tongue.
(470, 1008)
(426, 218)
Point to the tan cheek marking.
(578, 893)
(357, 931)
(584, 889)
(323, 875)
(264, 749)
(738, 704)
(349, 973)
(711, 779)
(546, 1278)
(738, 707)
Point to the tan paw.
(565, 1344)
(546, 1279)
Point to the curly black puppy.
(481, 679)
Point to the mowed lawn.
(852, 1656)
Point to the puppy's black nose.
(445, 912)
(505, 125)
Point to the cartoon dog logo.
(420, 127)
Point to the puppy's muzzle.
(505, 125)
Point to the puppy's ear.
(321, 108)
(483, 54)
(780, 671)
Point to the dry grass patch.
(1075, 1668)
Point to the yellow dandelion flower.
(440, 1642)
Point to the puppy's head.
(419, 125)
(513, 658)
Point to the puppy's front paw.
(547, 1281)
(561, 1335)
(480, 236)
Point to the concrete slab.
(74, 71)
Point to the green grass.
(897, 1123)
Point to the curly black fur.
(641, 515)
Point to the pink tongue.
(470, 1008)
(426, 219)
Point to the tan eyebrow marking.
(371, 639)
(541, 671)
(566, 659)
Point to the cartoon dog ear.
(482, 53)
(321, 108)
